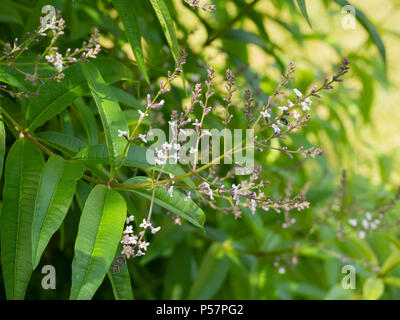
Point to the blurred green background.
(356, 124)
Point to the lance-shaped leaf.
(177, 204)
(2, 143)
(22, 173)
(99, 233)
(167, 24)
(111, 115)
(54, 97)
(127, 12)
(120, 278)
(56, 189)
(303, 9)
(63, 142)
(136, 158)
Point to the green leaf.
(61, 141)
(136, 158)
(2, 144)
(303, 9)
(7, 77)
(127, 11)
(211, 275)
(176, 204)
(370, 28)
(55, 192)
(22, 173)
(55, 97)
(88, 121)
(110, 113)
(373, 288)
(165, 19)
(392, 262)
(99, 233)
(120, 280)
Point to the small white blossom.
(130, 219)
(298, 93)
(276, 129)
(145, 224)
(296, 115)
(361, 234)
(353, 222)
(122, 133)
(142, 115)
(129, 229)
(265, 114)
(143, 245)
(155, 230)
(283, 109)
(143, 137)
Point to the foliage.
(80, 192)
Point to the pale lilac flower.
(298, 93)
(296, 115)
(122, 133)
(142, 115)
(353, 222)
(129, 229)
(145, 224)
(265, 114)
(276, 129)
(130, 219)
(283, 109)
(143, 137)
(128, 251)
(155, 230)
(143, 245)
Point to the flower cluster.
(53, 30)
(197, 4)
(133, 244)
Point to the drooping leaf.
(136, 158)
(110, 113)
(127, 12)
(303, 9)
(392, 262)
(177, 204)
(55, 192)
(167, 24)
(211, 274)
(370, 28)
(55, 97)
(6, 76)
(373, 288)
(100, 230)
(22, 172)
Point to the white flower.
(234, 191)
(296, 115)
(143, 245)
(130, 219)
(276, 129)
(187, 196)
(298, 93)
(282, 270)
(253, 206)
(128, 251)
(143, 137)
(290, 104)
(353, 222)
(192, 150)
(304, 105)
(361, 234)
(122, 133)
(170, 191)
(265, 114)
(142, 115)
(368, 215)
(139, 253)
(283, 109)
(129, 229)
(155, 230)
(50, 59)
(145, 224)
(365, 224)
